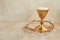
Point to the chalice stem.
(41, 22)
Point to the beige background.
(15, 13)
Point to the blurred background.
(24, 10)
(15, 13)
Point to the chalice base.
(42, 29)
(39, 28)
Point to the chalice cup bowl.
(45, 26)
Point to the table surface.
(14, 31)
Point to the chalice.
(44, 26)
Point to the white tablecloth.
(14, 31)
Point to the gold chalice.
(43, 27)
(42, 12)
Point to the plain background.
(15, 13)
(24, 10)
